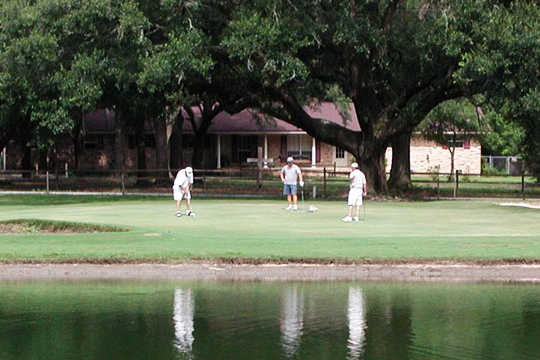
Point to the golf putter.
(364, 206)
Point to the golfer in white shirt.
(290, 174)
(182, 190)
(357, 191)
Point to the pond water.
(276, 320)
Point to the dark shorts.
(289, 189)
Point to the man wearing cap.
(182, 190)
(290, 174)
(357, 191)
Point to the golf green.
(261, 230)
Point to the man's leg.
(348, 218)
(287, 191)
(357, 217)
(294, 192)
(189, 212)
(179, 208)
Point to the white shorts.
(355, 197)
(179, 194)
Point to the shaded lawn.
(261, 230)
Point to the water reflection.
(184, 309)
(356, 317)
(292, 319)
(267, 321)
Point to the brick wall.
(425, 155)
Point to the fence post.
(456, 186)
(523, 185)
(123, 183)
(438, 186)
(324, 182)
(47, 180)
(334, 169)
(66, 170)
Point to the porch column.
(265, 151)
(4, 159)
(313, 152)
(219, 151)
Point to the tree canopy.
(393, 60)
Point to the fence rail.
(320, 183)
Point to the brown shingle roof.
(250, 121)
(247, 121)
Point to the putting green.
(263, 230)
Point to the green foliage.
(491, 171)
(504, 137)
(452, 120)
(505, 68)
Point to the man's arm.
(281, 176)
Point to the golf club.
(303, 197)
(364, 206)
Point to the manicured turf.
(262, 230)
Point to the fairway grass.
(261, 231)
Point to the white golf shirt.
(358, 179)
(291, 173)
(182, 180)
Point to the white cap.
(290, 159)
(189, 170)
(354, 165)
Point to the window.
(132, 142)
(149, 140)
(340, 153)
(247, 147)
(299, 146)
(94, 141)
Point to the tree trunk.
(452, 153)
(199, 142)
(26, 162)
(119, 142)
(373, 167)
(76, 139)
(177, 146)
(141, 151)
(162, 150)
(400, 173)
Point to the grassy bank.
(259, 231)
